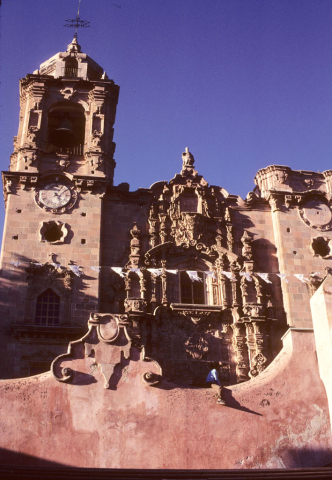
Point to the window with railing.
(48, 309)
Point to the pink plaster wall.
(278, 420)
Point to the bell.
(63, 136)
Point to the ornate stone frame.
(40, 278)
(54, 178)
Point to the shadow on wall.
(14, 278)
(18, 296)
(14, 465)
(307, 457)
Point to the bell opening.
(66, 127)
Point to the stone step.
(15, 472)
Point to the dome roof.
(72, 63)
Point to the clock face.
(56, 197)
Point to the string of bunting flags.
(192, 274)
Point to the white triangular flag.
(137, 271)
(210, 273)
(301, 277)
(155, 271)
(173, 271)
(283, 277)
(229, 275)
(75, 269)
(16, 264)
(194, 276)
(119, 271)
(264, 276)
(247, 275)
(96, 269)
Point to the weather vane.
(77, 22)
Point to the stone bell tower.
(67, 115)
(62, 165)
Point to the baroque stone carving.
(197, 346)
(184, 234)
(259, 364)
(108, 344)
(135, 246)
(49, 275)
(316, 214)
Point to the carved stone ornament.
(137, 305)
(316, 214)
(276, 202)
(197, 347)
(315, 282)
(53, 232)
(251, 198)
(309, 182)
(251, 310)
(135, 247)
(198, 316)
(97, 138)
(68, 92)
(247, 248)
(47, 275)
(259, 364)
(95, 159)
(281, 176)
(107, 345)
(63, 161)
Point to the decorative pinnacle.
(77, 22)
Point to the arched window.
(48, 308)
(66, 129)
(71, 67)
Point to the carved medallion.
(197, 347)
(316, 214)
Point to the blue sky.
(243, 83)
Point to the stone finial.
(74, 47)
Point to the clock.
(56, 197)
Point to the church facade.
(200, 275)
(115, 303)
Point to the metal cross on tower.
(77, 22)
